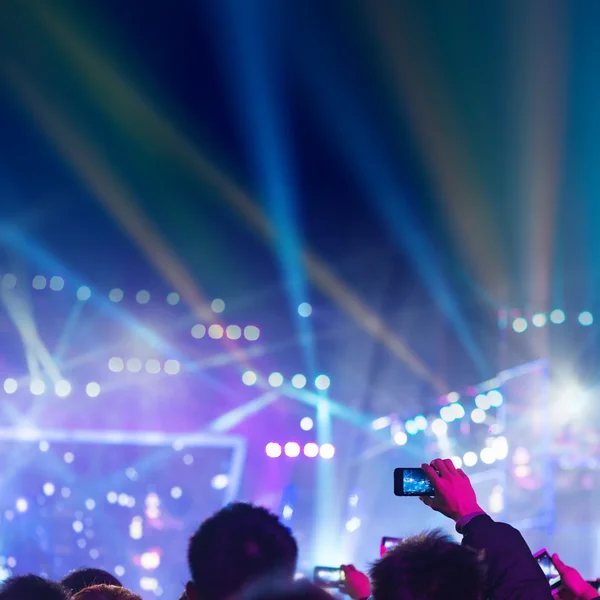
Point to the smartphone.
(412, 482)
(387, 543)
(545, 561)
(328, 577)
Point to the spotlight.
(292, 449)
(353, 524)
(305, 309)
(447, 413)
(198, 331)
(134, 365)
(557, 316)
(453, 397)
(400, 438)
(500, 448)
(458, 412)
(483, 402)
(115, 295)
(478, 415)
(411, 427)
(470, 459)
(275, 380)
(439, 427)
(220, 482)
(249, 378)
(495, 398)
(10, 385)
(306, 424)
(327, 451)
(287, 512)
(586, 318)
(298, 381)
(37, 387)
(142, 297)
(322, 382)
(49, 489)
(217, 305)
(539, 319)
(215, 332)
(311, 450)
(519, 324)
(115, 364)
(251, 333)
(21, 505)
(172, 367)
(153, 366)
(234, 332)
(57, 283)
(62, 388)
(273, 450)
(39, 282)
(173, 298)
(487, 456)
(84, 293)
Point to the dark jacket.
(512, 572)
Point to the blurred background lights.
(142, 297)
(275, 380)
(217, 305)
(458, 411)
(69, 457)
(84, 293)
(520, 324)
(90, 504)
(251, 333)
(173, 298)
(487, 456)
(150, 560)
(557, 316)
(447, 413)
(482, 401)
(134, 365)
(453, 397)
(305, 309)
(249, 378)
(39, 282)
(495, 398)
(478, 415)
(585, 318)
(119, 571)
(57, 283)
(400, 438)
(48, 489)
(322, 382)
(37, 387)
(500, 448)
(539, 319)
(456, 461)
(439, 427)
(116, 295)
(234, 332)
(92, 389)
(44, 446)
(311, 450)
(115, 364)
(327, 451)
(21, 505)
(411, 427)
(149, 584)
(215, 332)
(198, 331)
(9, 281)
(292, 449)
(353, 524)
(220, 481)
(306, 424)
(10, 385)
(298, 381)
(176, 492)
(287, 512)
(112, 497)
(420, 422)
(153, 366)
(273, 450)
(470, 459)
(172, 367)
(77, 526)
(62, 388)
(136, 528)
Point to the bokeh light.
(173, 298)
(172, 366)
(411, 427)
(299, 381)
(585, 318)
(62, 388)
(84, 293)
(249, 378)
(439, 427)
(305, 309)
(234, 332)
(153, 366)
(134, 365)
(557, 316)
(217, 305)
(420, 422)
(115, 364)
(273, 450)
(322, 382)
(220, 481)
(251, 333)
(275, 380)
(482, 401)
(311, 450)
(520, 324)
(37, 387)
(9, 281)
(400, 438)
(495, 398)
(39, 282)
(116, 295)
(142, 297)
(539, 319)
(57, 283)
(327, 451)
(306, 424)
(456, 461)
(215, 331)
(487, 456)
(292, 449)
(478, 415)
(470, 459)
(198, 331)
(10, 385)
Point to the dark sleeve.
(512, 572)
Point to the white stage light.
(198, 331)
(172, 367)
(215, 331)
(134, 365)
(249, 378)
(322, 382)
(57, 283)
(251, 333)
(585, 318)
(439, 427)
(62, 388)
(306, 424)
(116, 295)
(478, 415)
(234, 332)
(84, 293)
(218, 305)
(470, 459)
(557, 316)
(37, 387)
(400, 438)
(173, 298)
(142, 297)
(10, 385)
(275, 380)
(305, 309)
(39, 282)
(299, 381)
(520, 324)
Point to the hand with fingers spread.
(574, 586)
(454, 494)
(356, 584)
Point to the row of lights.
(275, 380)
(62, 388)
(232, 332)
(293, 450)
(497, 450)
(520, 324)
(134, 365)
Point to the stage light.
(520, 324)
(411, 427)
(585, 318)
(539, 319)
(90, 504)
(322, 382)
(305, 309)
(173, 298)
(420, 422)
(134, 365)
(521, 456)
(500, 448)
(447, 413)
(287, 512)
(119, 571)
(116, 295)
(292, 449)
(234, 332)
(39, 282)
(487, 456)
(311, 450)
(470, 459)
(10, 385)
(84, 293)
(9, 281)
(483, 402)
(150, 560)
(439, 427)
(44, 446)
(115, 364)
(557, 316)
(136, 528)
(298, 381)
(37, 387)
(198, 331)
(153, 366)
(273, 450)
(77, 526)
(453, 397)
(327, 451)
(149, 584)
(249, 378)
(381, 423)
(217, 305)
(142, 297)
(251, 333)
(21, 505)
(220, 482)
(400, 438)
(495, 398)
(456, 461)
(62, 388)
(353, 524)
(112, 497)
(172, 366)
(306, 424)
(478, 415)
(176, 492)
(275, 380)
(188, 459)
(57, 283)
(92, 389)
(215, 331)
(458, 411)
(49, 489)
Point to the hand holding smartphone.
(387, 543)
(329, 577)
(412, 482)
(548, 567)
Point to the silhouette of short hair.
(238, 545)
(105, 592)
(80, 579)
(32, 587)
(430, 565)
(284, 590)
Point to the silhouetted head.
(32, 587)
(80, 579)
